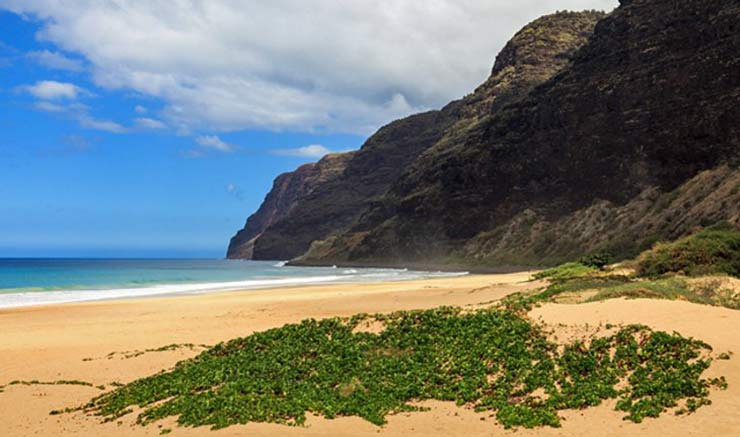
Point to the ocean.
(25, 282)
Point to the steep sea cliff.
(593, 133)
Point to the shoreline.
(287, 292)
(118, 341)
(20, 298)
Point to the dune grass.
(565, 271)
(663, 272)
(594, 287)
(714, 250)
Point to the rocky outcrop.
(326, 205)
(287, 190)
(709, 197)
(530, 237)
(302, 208)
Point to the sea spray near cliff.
(25, 282)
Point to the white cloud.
(310, 151)
(81, 113)
(49, 107)
(214, 142)
(52, 90)
(140, 109)
(149, 123)
(323, 65)
(230, 188)
(56, 60)
(89, 122)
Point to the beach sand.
(73, 342)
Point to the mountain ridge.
(642, 106)
(291, 218)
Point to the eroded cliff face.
(626, 229)
(331, 205)
(645, 106)
(303, 208)
(630, 134)
(287, 190)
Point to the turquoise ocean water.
(26, 282)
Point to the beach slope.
(104, 343)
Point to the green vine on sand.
(136, 353)
(492, 360)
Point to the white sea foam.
(10, 300)
(48, 297)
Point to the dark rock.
(570, 146)
(285, 194)
(303, 207)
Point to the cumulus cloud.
(56, 60)
(322, 65)
(310, 151)
(149, 123)
(52, 90)
(215, 143)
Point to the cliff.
(330, 204)
(286, 193)
(302, 208)
(630, 134)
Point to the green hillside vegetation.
(565, 271)
(699, 268)
(711, 251)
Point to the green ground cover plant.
(167, 348)
(59, 382)
(494, 360)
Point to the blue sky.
(154, 129)
(71, 190)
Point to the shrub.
(565, 271)
(596, 260)
(711, 251)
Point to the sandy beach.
(102, 343)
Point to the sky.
(153, 129)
